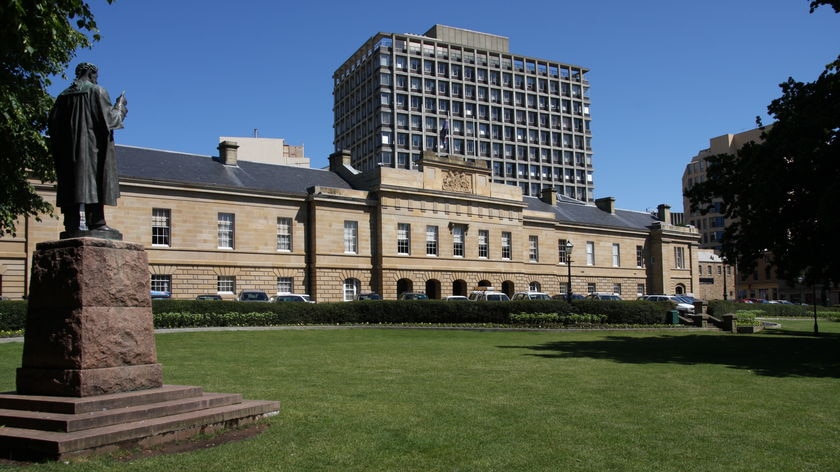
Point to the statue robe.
(82, 143)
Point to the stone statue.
(81, 130)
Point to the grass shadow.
(776, 355)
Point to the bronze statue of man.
(81, 130)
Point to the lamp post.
(723, 267)
(569, 247)
(816, 327)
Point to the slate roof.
(578, 212)
(195, 170)
(205, 171)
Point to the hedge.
(719, 308)
(200, 313)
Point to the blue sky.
(666, 76)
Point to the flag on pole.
(444, 133)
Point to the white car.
(488, 296)
(530, 296)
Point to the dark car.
(252, 296)
(210, 297)
(368, 296)
(413, 296)
(292, 297)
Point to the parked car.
(160, 295)
(563, 296)
(682, 304)
(368, 296)
(457, 298)
(530, 296)
(292, 297)
(252, 296)
(210, 297)
(488, 296)
(604, 296)
(413, 296)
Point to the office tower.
(713, 223)
(464, 94)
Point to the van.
(488, 294)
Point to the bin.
(673, 317)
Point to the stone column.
(89, 327)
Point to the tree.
(38, 38)
(782, 194)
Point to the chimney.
(606, 204)
(340, 159)
(227, 152)
(549, 195)
(664, 213)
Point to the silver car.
(681, 303)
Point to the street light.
(569, 247)
(723, 267)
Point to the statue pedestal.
(89, 381)
(89, 328)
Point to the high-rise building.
(713, 223)
(463, 93)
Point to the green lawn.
(450, 400)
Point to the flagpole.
(449, 134)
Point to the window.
(160, 227)
(483, 244)
(562, 254)
(640, 289)
(351, 233)
(284, 234)
(226, 230)
(403, 238)
(617, 289)
(458, 241)
(351, 289)
(285, 285)
(591, 287)
(533, 249)
(679, 257)
(534, 287)
(590, 253)
(506, 245)
(640, 256)
(226, 284)
(431, 240)
(162, 283)
(616, 255)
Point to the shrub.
(12, 315)
(747, 317)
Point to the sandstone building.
(221, 225)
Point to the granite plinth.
(89, 327)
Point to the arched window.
(534, 286)
(404, 285)
(679, 289)
(351, 289)
(508, 287)
(459, 287)
(433, 289)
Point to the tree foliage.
(782, 194)
(38, 38)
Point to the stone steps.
(57, 428)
